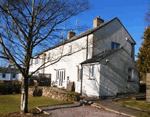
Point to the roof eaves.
(99, 58)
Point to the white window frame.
(31, 61)
(91, 72)
(49, 56)
(37, 60)
(70, 49)
(78, 73)
(60, 74)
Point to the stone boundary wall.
(55, 93)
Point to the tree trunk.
(24, 96)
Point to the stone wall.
(58, 94)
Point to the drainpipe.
(81, 80)
(87, 48)
(44, 58)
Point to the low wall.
(55, 93)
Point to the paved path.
(118, 107)
(75, 110)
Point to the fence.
(42, 80)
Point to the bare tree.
(26, 25)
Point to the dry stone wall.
(55, 93)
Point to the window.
(49, 56)
(114, 45)
(130, 74)
(91, 71)
(37, 60)
(31, 61)
(4, 75)
(14, 75)
(60, 75)
(70, 49)
(78, 74)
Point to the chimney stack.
(71, 34)
(97, 21)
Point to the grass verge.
(139, 104)
(11, 103)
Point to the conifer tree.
(143, 62)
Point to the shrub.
(37, 91)
(16, 86)
(8, 87)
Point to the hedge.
(9, 87)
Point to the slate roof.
(100, 56)
(8, 70)
(78, 36)
(84, 34)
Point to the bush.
(8, 87)
(16, 86)
(37, 92)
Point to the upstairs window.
(70, 49)
(114, 45)
(49, 56)
(31, 61)
(37, 60)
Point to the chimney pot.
(98, 16)
(71, 34)
(97, 21)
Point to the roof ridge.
(87, 32)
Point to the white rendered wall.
(7, 76)
(68, 62)
(90, 85)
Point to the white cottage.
(99, 61)
(9, 74)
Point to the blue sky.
(130, 12)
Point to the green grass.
(137, 104)
(71, 92)
(11, 103)
(134, 103)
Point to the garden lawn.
(11, 103)
(137, 104)
(134, 103)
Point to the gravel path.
(82, 111)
